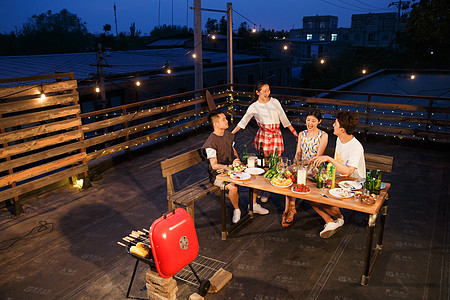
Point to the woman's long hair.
(258, 86)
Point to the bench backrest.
(373, 161)
(179, 163)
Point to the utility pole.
(102, 80)
(397, 24)
(230, 43)
(198, 66)
(115, 18)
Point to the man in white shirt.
(349, 161)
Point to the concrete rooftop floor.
(74, 254)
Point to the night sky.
(269, 14)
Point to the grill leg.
(132, 278)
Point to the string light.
(322, 61)
(42, 93)
(254, 30)
(194, 55)
(285, 47)
(97, 89)
(364, 71)
(413, 76)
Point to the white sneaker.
(236, 216)
(340, 221)
(265, 196)
(258, 209)
(329, 229)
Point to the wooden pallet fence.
(41, 137)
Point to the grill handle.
(171, 211)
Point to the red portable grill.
(174, 244)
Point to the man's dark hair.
(212, 114)
(348, 120)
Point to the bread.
(140, 251)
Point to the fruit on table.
(281, 181)
(301, 188)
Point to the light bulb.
(138, 83)
(194, 55)
(97, 89)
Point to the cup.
(301, 175)
(252, 160)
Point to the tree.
(223, 28)
(133, 31)
(107, 29)
(54, 33)
(211, 25)
(243, 30)
(428, 30)
(168, 30)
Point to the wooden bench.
(195, 191)
(373, 161)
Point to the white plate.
(337, 192)
(240, 176)
(350, 185)
(292, 189)
(280, 186)
(254, 171)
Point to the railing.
(107, 131)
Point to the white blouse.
(265, 113)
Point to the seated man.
(219, 149)
(349, 161)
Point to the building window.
(371, 22)
(345, 37)
(309, 24)
(357, 37)
(371, 37)
(309, 36)
(387, 22)
(322, 25)
(358, 23)
(334, 37)
(385, 38)
(322, 37)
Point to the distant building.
(373, 30)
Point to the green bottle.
(377, 183)
(276, 158)
(245, 156)
(271, 159)
(319, 177)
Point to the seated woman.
(311, 142)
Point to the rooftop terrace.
(64, 245)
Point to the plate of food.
(365, 199)
(281, 182)
(341, 193)
(350, 185)
(301, 189)
(240, 176)
(254, 171)
(237, 168)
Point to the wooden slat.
(44, 115)
(133, 117)
(34, 103)
(134, 129)
(25, 160)
(178, 163)
(40, 143)
(38, 183)
(143, 139)
(194, 192)
(41, 169)
(35, 89)
(35, 131)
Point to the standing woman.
(311, 142)
(268, 113)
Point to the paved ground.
(64, 246)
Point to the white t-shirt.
(351, 154)
(265, 113)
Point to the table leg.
(368, 255)
(224, 212)
(250, 202)
(383, 214)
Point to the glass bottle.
(261, 156)
(245, 156)
(271, 159)
(319, 178)
(377, 183)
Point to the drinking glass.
(324, 177)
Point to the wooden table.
(380, 207)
